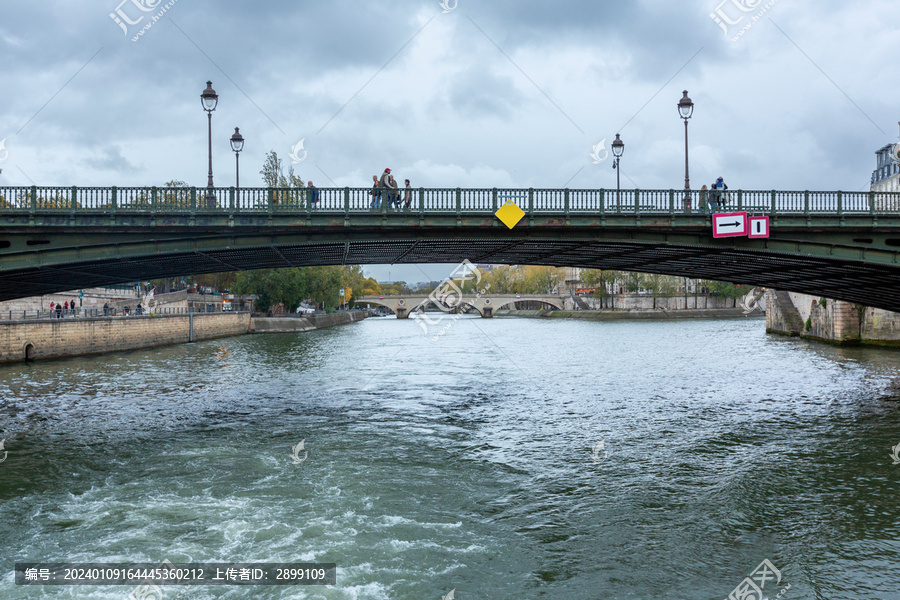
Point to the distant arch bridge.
(841, 245)
(486, 304)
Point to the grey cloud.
(110, 158)
(769, 117)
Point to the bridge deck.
(843, 245)
(454, 200)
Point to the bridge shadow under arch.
(851, 262)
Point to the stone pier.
(832, 321)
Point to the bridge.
(841, 245)
(485, 304)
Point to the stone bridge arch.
(485, 305)
(555, 303)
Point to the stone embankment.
(626, 315)
(287, 324)
(53, 338)
(832, 321)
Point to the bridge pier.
(487, 312)
(402, 313)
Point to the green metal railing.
(432, 200)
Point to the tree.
(273, 175)
(273, 171)
(502, 280)
(176, 194)
(539, 280)
(600, 280)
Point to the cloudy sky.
(789, 94)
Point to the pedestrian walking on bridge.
(376, 193)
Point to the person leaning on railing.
(313, 194)
(376, 193)
(407, 198)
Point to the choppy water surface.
(466, 463)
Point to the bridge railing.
(433, 200)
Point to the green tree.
(273, 175)
(539, 280)
(600, 280)
(273, 171)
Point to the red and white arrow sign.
(759, 227)
(729, 224)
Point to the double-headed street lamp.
(237, 144)
(618, 148)
(686, 109)
(210, 99)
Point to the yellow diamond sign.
(510, 214)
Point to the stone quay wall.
(286, 324)
(832, 321)
(648, 302)
(51, 338)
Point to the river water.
(468, 461)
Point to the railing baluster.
(450, 201)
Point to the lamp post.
(686, 109)
(237, 144)
(210, 99)
(618, 148)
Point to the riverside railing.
(93, 312)
(191, 200)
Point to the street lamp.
(686, 109)
(618, 148)
(237, 144)
(210, 99)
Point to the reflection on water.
(466, 463)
